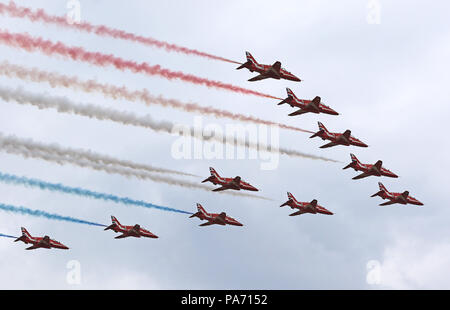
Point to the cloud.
(413, 262)
(388, 81)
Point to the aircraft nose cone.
(252, 188)
(65, 247)
(239, 224)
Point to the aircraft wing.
(362, 175)
(221, 218)
(378, 164)
(347, 134)
(298, 112)
(124, 235)
(230, 185)
(329, 145)
(222, 188)
(137, 228)
(276, 67)
(323, 211)
(297, 213)
(388, 203)
(44, 243)
(259, 77)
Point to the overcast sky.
(389, 82)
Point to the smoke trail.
(7, 236)
(42, 16)
(112, 91)
(56, 154)
(32, 44)
(64, 105)
(12, 179)
(50, 216)
(89, 155)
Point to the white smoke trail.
(64, 105)
(87, 159)
(22, 97)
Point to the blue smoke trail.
(12, 179)
(7, 236)
(50, 216)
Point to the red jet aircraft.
(266, 71)
(337, 138)
(214, 218)
(368, 170)
(228, 183)
(402, 198)
(129, 231)
(39, 242)
(313, 106)
(304, 207)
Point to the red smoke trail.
(50, 48)
(113, 91)
(39, 15)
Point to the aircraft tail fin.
(213, 172)
(290, 93)
(25, 232)
(290, 96)
(250, 58)
(354, 162)
(354, 158)
(248, 63)
(322, 127)
(201, 209)
(381, 191)
(382, 188)
(115, 222)
(290, 196)
(290, 199)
